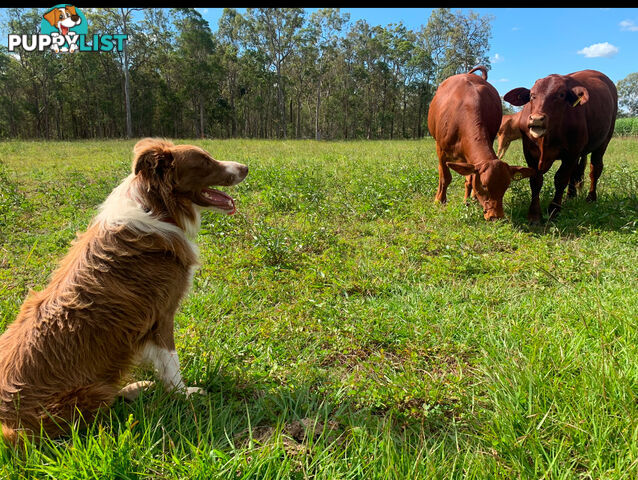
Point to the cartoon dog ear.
(152, 156)
(52, 17)
(71, 9)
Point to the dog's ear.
(152, 156)
(71, 9)
(52, 17)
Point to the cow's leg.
(595, 170)
(502, 148)
(576, 180)
(468, 188)
(535, 183)
(561, 179)
(445, 177)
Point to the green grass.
(346, 326)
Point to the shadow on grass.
(238, 417)
(615, 213)
(237, 409)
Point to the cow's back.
(601, 109)
(464, 105)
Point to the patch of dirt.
(295, 435)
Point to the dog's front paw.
(188, 391)
(133, 390)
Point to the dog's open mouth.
(215, 198)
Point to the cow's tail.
(482, 69)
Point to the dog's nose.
(243, 171)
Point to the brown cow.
(565, 117)
(508, 132)
(464, 117)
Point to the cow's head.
(490, 180)
(548, 100)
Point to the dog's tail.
(9, 435)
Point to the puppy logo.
(66, 22)
(64, 29)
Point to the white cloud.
(515, 29)
(605, 49)
(628, 25)
(496, 58)
(503, 79)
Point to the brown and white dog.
(110, 304)
(63, 18)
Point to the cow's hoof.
(553, 210)
(591, 197)
(535, 219)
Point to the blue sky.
(531, 43)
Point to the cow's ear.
(518, 96)
(462, 168)
(577, 96)
(519, 173)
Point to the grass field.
(346, 326)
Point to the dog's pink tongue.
(220, 199)
(64, 30)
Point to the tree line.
(268, 73)
(264, 73)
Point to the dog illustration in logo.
(63, 18)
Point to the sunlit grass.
(346, 326)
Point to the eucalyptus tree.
(628, 93)
(199, 68)
(38, 71)
(324, 28)
(153, 75)
(125, 24)
(12, 98)
(275, 31)
(422, 73)
(457, 42)
(229, 34)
